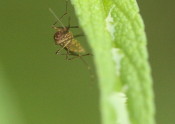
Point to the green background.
(39, 87)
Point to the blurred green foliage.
(42, 88)
(49, 88)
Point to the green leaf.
(115, 32)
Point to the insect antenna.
(53, 13)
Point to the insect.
(65, 38)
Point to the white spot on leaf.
(117, 57)
(125, 88)
(110, 23)
(118, 102)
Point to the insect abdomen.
(74, 46)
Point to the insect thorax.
(62, 36)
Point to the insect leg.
(89, 69)
(87, 65)
(74, 27)
(61, 16)
(68, 23)
(62, 54)
(66, 10)
(58, 51)
(71, 26)
(67, 55)
(78, 56)
(78, 35)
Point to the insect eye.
(58, 33)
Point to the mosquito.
(66, 39)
